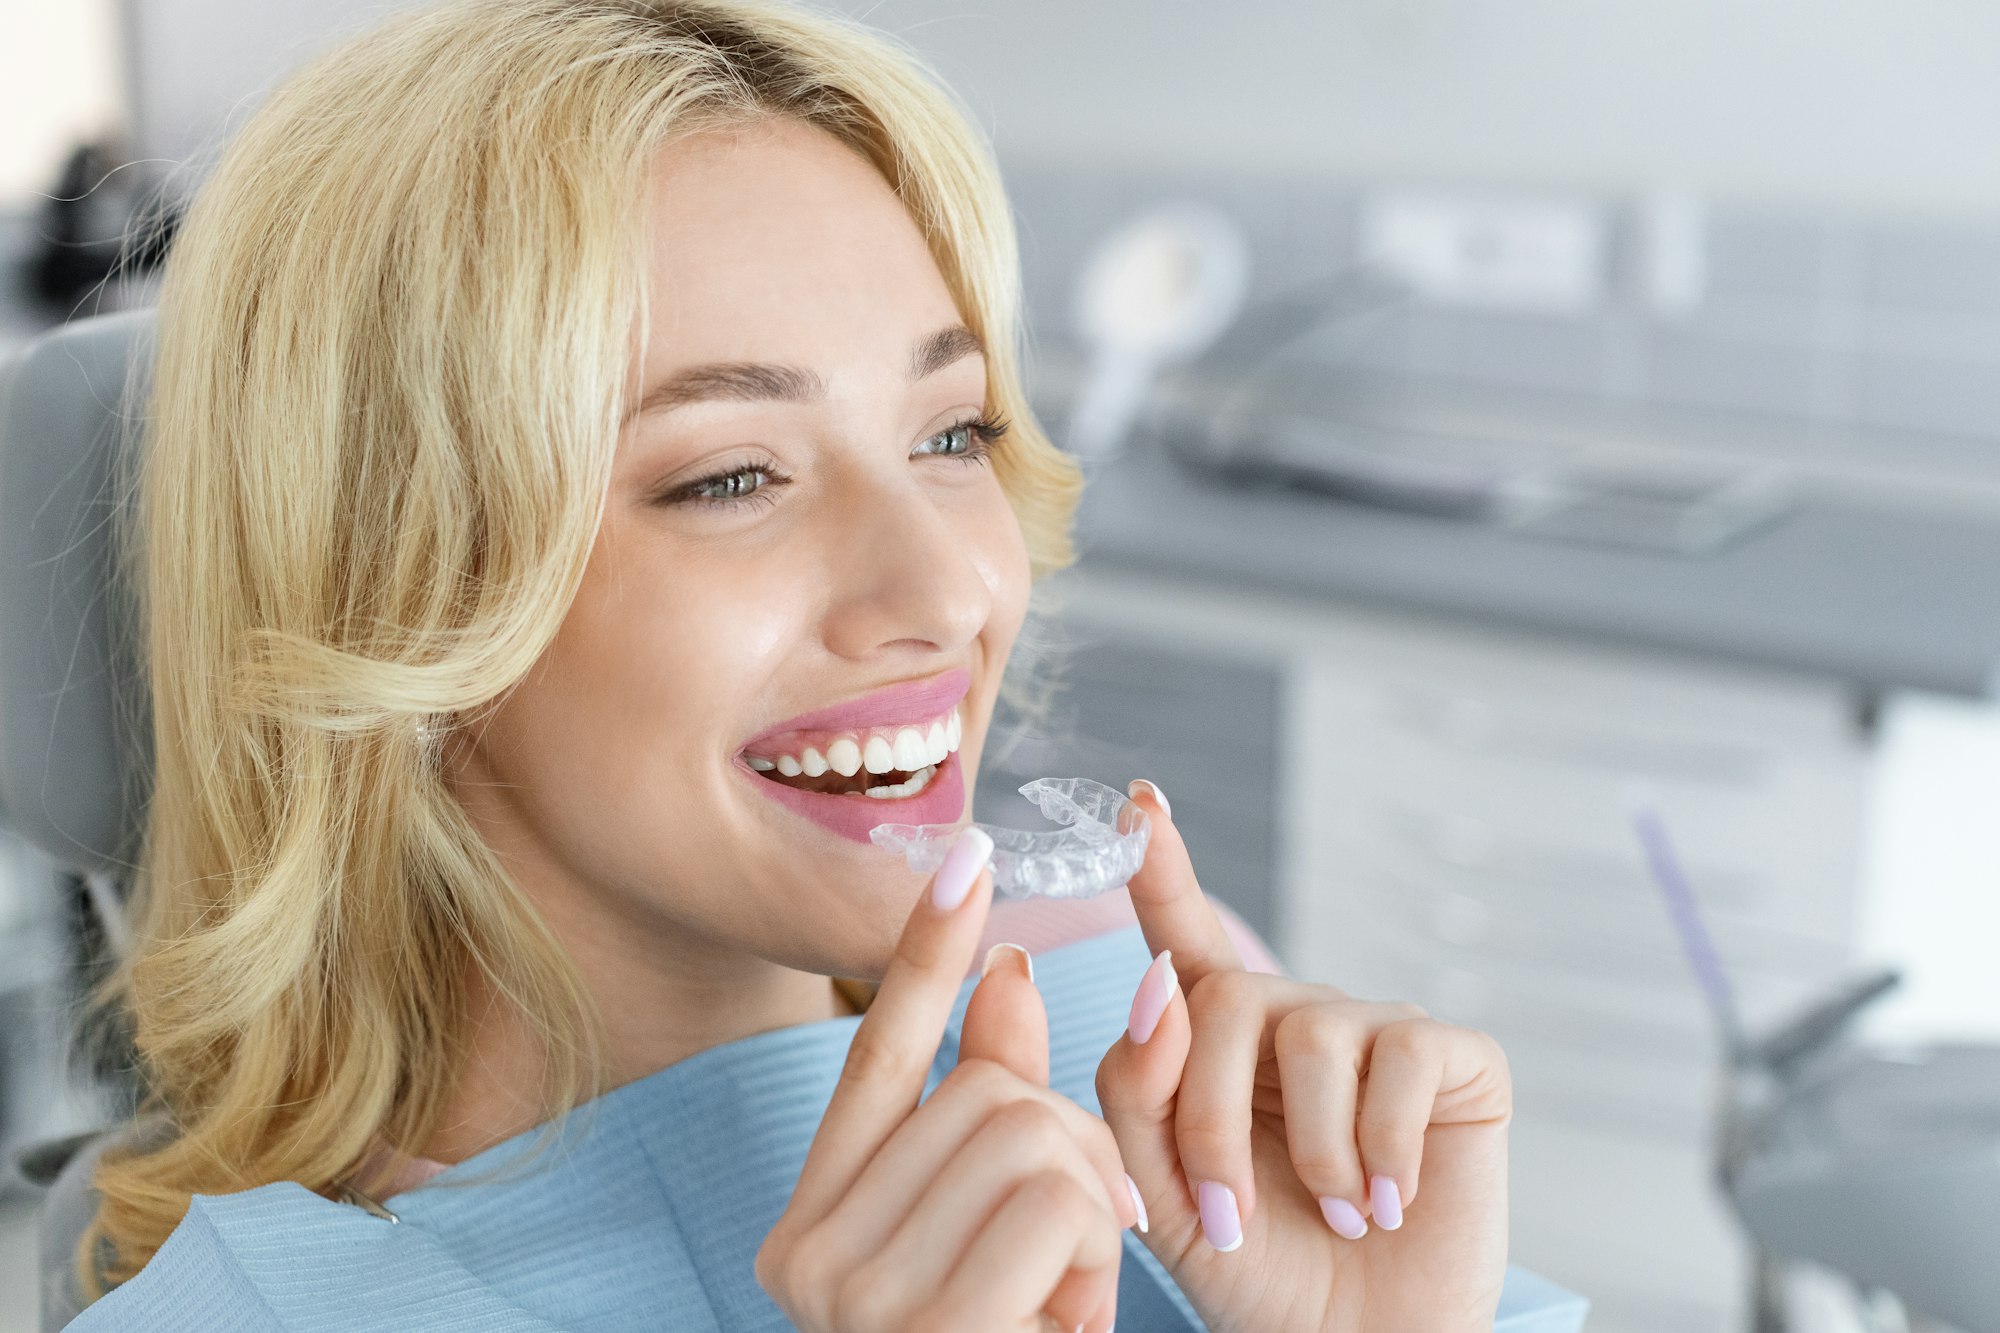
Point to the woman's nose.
(906, 569)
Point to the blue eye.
(968, 441)
(731, 488)
(752, 482)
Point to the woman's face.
(803, 557)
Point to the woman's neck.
(652, 1021)
(665, 991)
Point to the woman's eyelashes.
(979, 435)
(734, 486)
(752, 482)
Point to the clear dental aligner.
(915, 750)
(1101, 848)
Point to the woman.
(565, 411)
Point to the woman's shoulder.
(280, 1257)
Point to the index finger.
(890, 1058)
(1173, 911)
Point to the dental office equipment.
(1156, 293)
(1881, 1165)
(1101, 846)
(1665, 866)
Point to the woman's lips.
(904, 702)
(851, 815)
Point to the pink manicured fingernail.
(1137, 1202)
(1386, 1201)
(1220, 1221)
(1343, 1217)
(1166, 806)
(1151, 1000)
(998, 952)
(962, 865)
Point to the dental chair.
(75, 742)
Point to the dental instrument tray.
(1686, 506)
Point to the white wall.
(1892, 105)
(1928, 902)
(1889, 105)
(59, 83)
(202, 64)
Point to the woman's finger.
(1420, 1072)
(1016, 1140)
(1226, 1012)
(1321, 1050)
(924, 1144)
(1005, 1020)
(1233, 1015)
(890, 1056)
(1049, 1249)
(1173, 912)
(1137, 1083)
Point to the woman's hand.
(1269, 1122)
(994, 1205)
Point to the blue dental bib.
(646, 1213)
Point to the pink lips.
(912, 701)
(942, 801)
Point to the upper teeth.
(878, 749)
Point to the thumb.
(1005, 1020)
(1138, 1085)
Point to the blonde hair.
(392, 345)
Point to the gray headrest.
(75, 736)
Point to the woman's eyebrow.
(762, 381)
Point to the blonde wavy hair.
(392, 347)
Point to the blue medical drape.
(646, 1213)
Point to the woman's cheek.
(1002, 559)
(1003, 562)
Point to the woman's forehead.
(778, 244)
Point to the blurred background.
(1543, 530)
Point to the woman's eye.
(732, 485)
(968, 441)
(728, 489)
(752, 483)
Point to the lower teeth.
(895, 790)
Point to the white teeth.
(908, 749)
(911, 753)
(898, 790)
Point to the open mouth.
(884, 763)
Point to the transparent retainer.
(1101, 846)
